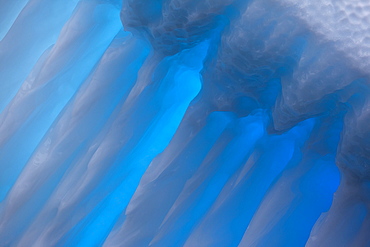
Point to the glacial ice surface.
(197, 123)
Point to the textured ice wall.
(184, 123)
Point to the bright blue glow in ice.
(184, 123)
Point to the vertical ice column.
(35, 29)
(51, 84)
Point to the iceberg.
(197, 123)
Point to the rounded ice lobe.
(172, 26)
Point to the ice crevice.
(184, 123)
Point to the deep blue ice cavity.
(205, 123)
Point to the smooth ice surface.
(185, 123)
